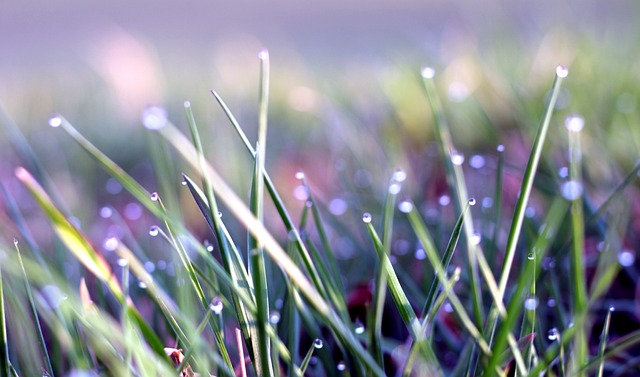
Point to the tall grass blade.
(34, 313)
(4, 343)
(603, 341)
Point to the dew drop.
(154, 117)
(457, 158)
(184, 182)
(161, 265)
(531, 256)
(626, 258)
(216, 305)
(428, 72)
(359, 329)
(300, 175)
(142, 285)
(500, 148)
(209, 248)
(472, 201)
(477, 162)
(15, 242)
(444, 200)
(154, 196)
(531, 303)
(394, 188)
(55, 121)
(263, 54)
(110, 243)
(106, 212)
(341, 366)
(186, 104)
(219, 214)
(113, 187)
(318, 343)
(571, 190)
(274, 317)
(612, 309)
(154, 230)
(574, 123)
(399, 175)
(530, 212)
(300, 192)
(563, 172)
(122, 262)
(562, 71)
(552, 335)
(405, 206)
(337, 207)
(366, 218)
(475, 238)
(149, 266)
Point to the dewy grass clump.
(522, 303)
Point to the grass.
(478, 304)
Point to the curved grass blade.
(75, 241)
(603, 341)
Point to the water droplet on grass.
(552, 335)
(55, 121)
(341, 366)
(106, 212)
(500, 148)
(399, 175)
(359, 329)
(472, 201)
(263, 54)
(457, 158)
(551, 303)
(186, 104)
(612, 309)
(626, 258)
(300, 174)
(571, 190)
(318, 343)
(154, 230)
(574, 123)
(274, 317)
(562, 71)
(405, 206)
(475, 238)
(110, 243)
(142, 285)
(477, 162)
(154, 196)
(394, 188)
(428, 72)
(531, 255)
(487, 202)
(444, 200)
(154, 117)
(216, 305)
(337, 207)
(122, 262)
(531, 303)
(366, 218)
(184, 182)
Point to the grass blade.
(603, 341)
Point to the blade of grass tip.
(603, 341)
(374, 332)
(257, 266)
(4, 343)
(246, 218)
(572, 190)
(277, 201)
(241, 363)
(75, 241)
(497, 204)
(525, 193)
(34, 313)
(317, 344)
(455, 178)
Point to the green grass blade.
(4, 343)
(75, 241)
(576, 259)
(34, 313)
(244, 215)
(603, 341)
(527, 181)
